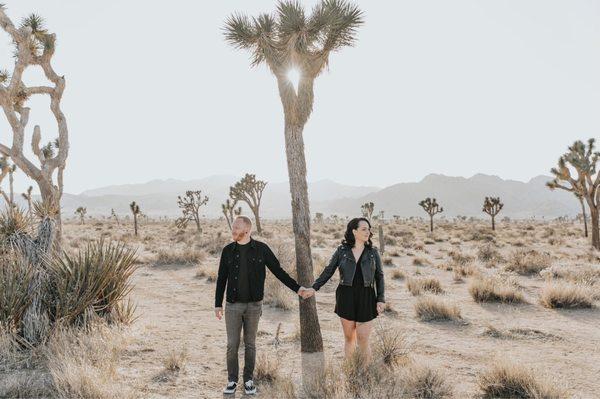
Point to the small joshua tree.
(190, 205)
(113, 214)
(7, 169)
(577, 173)
(319, 218)
(492, 206)
(583, 215)
(230, 211)
(81, 211)
(432, 208)
(249, 190)
(34, 46)
(367, 210)
(27, 197)
(381, 239)
(135, 210)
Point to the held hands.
(306, 293)
(380, 307)
(219, 313)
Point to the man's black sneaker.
(249, 387)
(230, 388)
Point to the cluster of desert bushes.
(60, 309)
(394, 373)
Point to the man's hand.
(219, 313)
(380, 307)
(306, 293)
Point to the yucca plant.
(16, 274)
(96, 279)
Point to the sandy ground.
(175, 310)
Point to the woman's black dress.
(356, 302)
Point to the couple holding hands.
(359, 297)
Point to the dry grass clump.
(431, 308)
(173, 363)
(557, 295)
(388, 261)
(277, 294)
(527, 262)
(418, 261)
(398, 274)
(488, 253)
(391, 346)
(417, 285)
(186, 256)
(83, 364)
(208, 272)
(509, 380)
(420, 381)
(487, 289)
(460, 271)
(267, 368)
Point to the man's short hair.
(245, 219)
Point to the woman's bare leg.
(349, 328)
(363, 334)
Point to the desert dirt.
(175, 304)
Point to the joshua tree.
(293, 44)
(432, 208)
(582, 159)
(230, 211)
(381, 239)
(492, 206)
(114, 215)
(583, 215)
(27, 197)
(319, 218)
(7, 169)
(249, 190)
(190, 206)
(34, 46)
(135, 209)
(367, 209)
(81, 211)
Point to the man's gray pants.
(238, 315)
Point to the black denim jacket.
(344, 259)
(259, 256)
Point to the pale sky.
(452, 87)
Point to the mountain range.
(458, 196)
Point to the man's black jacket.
(259, 256)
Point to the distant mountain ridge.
(458, 196)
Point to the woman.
(357, 302)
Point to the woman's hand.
(380, 307)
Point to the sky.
(452, 87)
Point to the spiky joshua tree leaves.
(27, 197)
(432, 208)
(34, 46)
(290, 41)
(577, 172)
(230, 211)
(250, 191)
(492, 206)
(190, 205)
(367, 209)
(135, 210)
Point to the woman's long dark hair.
(349, 240)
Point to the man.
(242, 269)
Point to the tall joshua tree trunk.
(595, 228)
(293, 41)
(311, 340)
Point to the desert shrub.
(510, 380)
(527, 262)
(431, 308)
(566, 295)
(185, 256)
(417, 285)
(486, 289)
